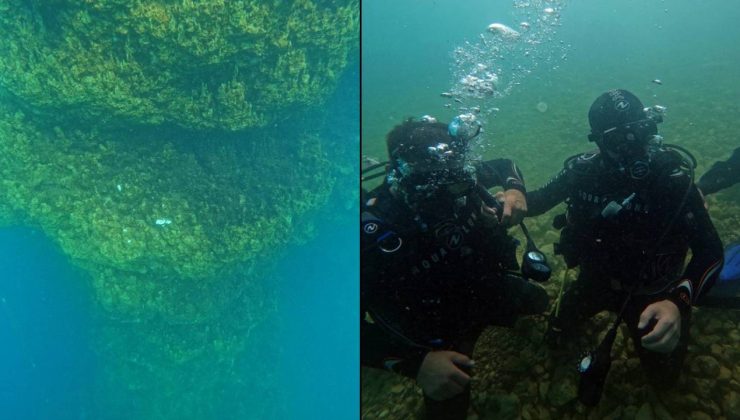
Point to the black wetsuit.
(721, 175)
(640, 248)
(434, 285)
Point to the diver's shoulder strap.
(583, 164)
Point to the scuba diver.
(437, 264)
(726, 293)
(721, 175)
(633, 212)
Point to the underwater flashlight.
(593, 370)
(534, 262)
(594, 365)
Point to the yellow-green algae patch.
(147, 218)
(200, 64)
(178, 299)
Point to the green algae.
(212, 64)
(101, 203)
(164, 147)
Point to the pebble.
(709, 387)
(731, 405)
(709, 407)
(725, 374)
(716, 349)
(661, 413)
(698, 415)
(705, 366)
(645, 412)
(735, 385)
(543, 389)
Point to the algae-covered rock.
(705, 366)
(731, 405)
(563, 388)
(198, 64)
(502, 406)
(168, 149)
(645, 412)
(144, 218)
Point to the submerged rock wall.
(167, 148)
(199, 64)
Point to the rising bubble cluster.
(505, 52)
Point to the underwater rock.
(630, 411)
(644, 413)
(661, 412)
(206, 64)
(731, 405)
(725, 374)
(705, 366)
(698, 415)
(502, 406)
(702, 388)
(563, 388)
(543, 388)
(710, 407)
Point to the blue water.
(47, 366)
(319, 303)
(307, 351)
(311, 343)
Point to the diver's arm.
(380, 350)
(721, 175)
(500, 172)
(550, 195)
(706, 254)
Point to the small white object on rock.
(163, 222)
(118, 187)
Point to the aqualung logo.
(370, 228)
(620, 103)
(450, 235)
(454, 240)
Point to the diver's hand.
(489, 215)
(667, 330)
(515, 207)
(439, 375)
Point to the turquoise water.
(305, 363)
(47, 363)
(690, 46)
